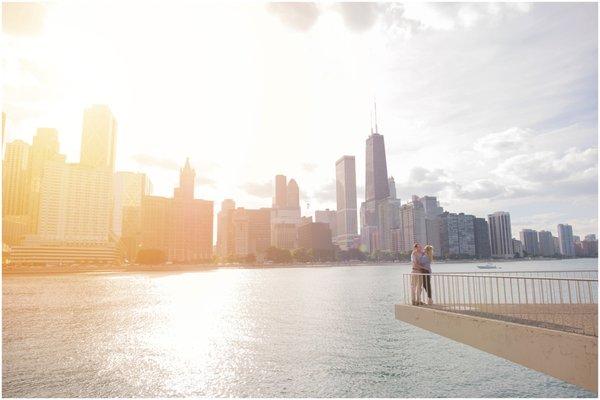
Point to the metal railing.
(563, 303)
(575, 273)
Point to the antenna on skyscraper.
(375, 103)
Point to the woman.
(416, 278)
(425, 262)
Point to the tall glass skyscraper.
(345, 187)
(99, 137)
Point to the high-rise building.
(501, 235)
(328, 217)
(590, 237)
(529, 239)
(284, 235)
(285, 214)
(99, 137)
(280, 200)
(457, 234)
(225, 229)
(392, 186)
(347, 226)
(518, 248)
(565, 240)
(377, 197)
(14, 178)
(316, 237)
(376, 185)
(181, 227)
(293, 195)
(590, 247)
(482, 238)
(14, 228)
(45, 148)
(546, 244)
(128, 188)
(413, 226)
(251, 231)
(432, 211)
(556, 245)
(74, 207)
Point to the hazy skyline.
(489, 107)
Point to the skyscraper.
(501, 235)
(565, 240)
(413, 226)
(251, 231)
(45, 148)
(285, 214)
(129, 188)
(392, 187)
(529, 240)
(293, 195)
(377, 192)
(181, 227)
(99, 137)
(345, 190)
(74, 207)
(280, 200)
(482, 238)
(328, 217)
(225, 233)
(14, 178)
(457, 234)
(546, 244)
(376, 185)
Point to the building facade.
(345, 190)
(529, 240)
(565, 240)
(182, 226)
(457, 235)
(99, 138)
(546, 244)
(501, 235)
(14, 178)
(482, 238)
(328, 217)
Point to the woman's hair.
(429, 251)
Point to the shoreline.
(106, 269)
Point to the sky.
(490, 107)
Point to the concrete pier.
(568, 356)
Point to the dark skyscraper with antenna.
(375, 223)
(376, 186)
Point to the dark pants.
(427, 284)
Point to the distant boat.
(487, 266)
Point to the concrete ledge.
(567, 356)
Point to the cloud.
(204, 181)
(551, 167)
(509, 141)
(326, 193)
(262, 190)
(360, 17)
(309, 167)
(480, 189)
(299, 16)
(158, 162)
(23, 19)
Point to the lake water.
(278, 332)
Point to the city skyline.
(538, 163)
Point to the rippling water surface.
(279, 332)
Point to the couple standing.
(421, 273)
